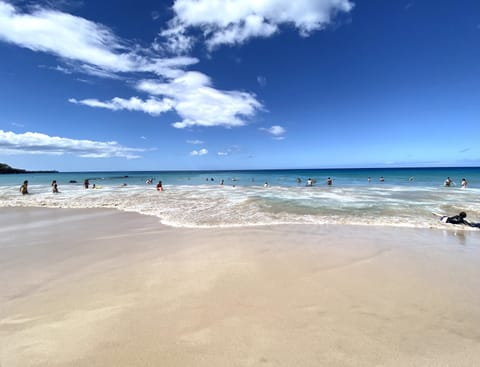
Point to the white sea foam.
(227, 206)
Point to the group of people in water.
(456, 219)
(448, 182)
(24, 187)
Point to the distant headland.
(5, 168)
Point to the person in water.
(447, 182)
(24, 188)
(54, 187)
(329, 181)
(159, 186)
(464, 183)
(459, 219)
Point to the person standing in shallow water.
(24, 188)
(54, 186)
(159, 186)
(464, 183)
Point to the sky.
(90, 85)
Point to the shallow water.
(407, 198)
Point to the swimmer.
(382, 179)
(24, 188)
(54, 187)
(448, 182)
(464, 183)
(265, 184)
(329, 181)
(459, 219)
(159, 186)
(309, 182)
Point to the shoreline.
(103, 287)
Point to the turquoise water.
(407, 197)
(344, 177)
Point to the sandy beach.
(109, 288)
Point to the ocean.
(408, 197)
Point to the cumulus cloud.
(236, 21)
(37, 143)
(202, 151)
(193, 99)
(276, 131)
(198, 103)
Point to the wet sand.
(105, 288)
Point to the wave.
(207, 206)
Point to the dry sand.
(104, 288)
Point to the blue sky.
(239, 84)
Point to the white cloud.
(276, 130)
(95, 47)
(152, 106)
(192, 98)
(198, 104)
(176, 41)
(202, 151)
(195, 142)
(236, 21)
(64, 35)
(38, 143)
(92, 48)
(251, 26)
(222, 153)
